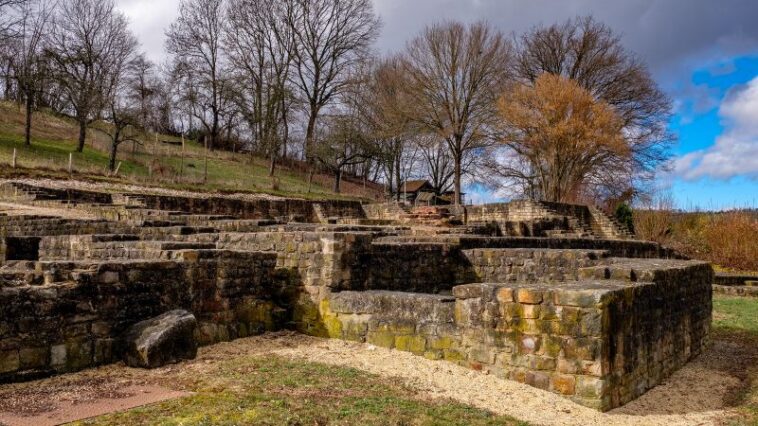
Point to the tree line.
(562, 112)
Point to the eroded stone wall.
(65, 316)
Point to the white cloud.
(735, 152)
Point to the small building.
(422, 193)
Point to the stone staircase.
(607, 226)
(596, 224)
(427, 215)
(574, 227)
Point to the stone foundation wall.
(301, 210)
(600, 343)
(60, 326)
(616, 248)
(526, 265)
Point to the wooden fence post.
(13, 162)
(181, 165)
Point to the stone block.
(415, 344)
(9, 361)
(34, 357)
(529, 296)
(167, 338)
(381, 338)
(564, 384)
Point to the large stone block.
(165, 339)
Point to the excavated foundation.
(575, 307)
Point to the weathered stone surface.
(165, 339)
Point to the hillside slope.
(159, 163)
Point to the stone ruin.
(556, 296)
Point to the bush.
(625, 216)
(731, 240)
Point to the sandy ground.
(698, 394)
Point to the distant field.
(154, 163)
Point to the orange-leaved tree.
(562, 137)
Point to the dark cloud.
(672, 36)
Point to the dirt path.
(695, 395)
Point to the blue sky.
(700, 121)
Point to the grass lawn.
(737, 314)
(276, 391)
(735, 322)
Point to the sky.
(702, 53)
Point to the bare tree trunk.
(309, 135)
(82, 135)
(337, 180)
(28, 127)
(458, 200)
(398, 177)
(285, 129)
(272, 166)
(114, 149)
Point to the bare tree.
(260, 45)
(455, 75)
(122, 116)
(84, 47)
(9, 18)
(589, 53)
(345, 143)
(195, 40)
(144, 89)
(27, 56)
(383, 106)
(437, 164)
(329, 35)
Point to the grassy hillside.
(152, 163)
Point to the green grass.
(275, 391)
(54, 138)
(54, 154)
(736, 314)
(735, 323)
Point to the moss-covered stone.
(433, 355)
(453, 355)
(410, 343)
(333, 326)
(381, 338)
(441, 343)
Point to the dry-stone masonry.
(556, 296)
